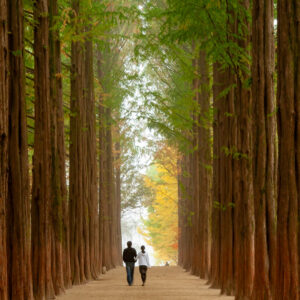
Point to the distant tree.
(161, 226)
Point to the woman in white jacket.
(144, 264)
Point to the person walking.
(129, 258)
(144, 264)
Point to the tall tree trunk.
(288, 97)
(200, 173)
(106, 185)
(19, 248)
(77, 193)
(85, 179)
(62, 170)
(41, 190)
(228, 137)
(195, 182)
(187, 214)
(264, 131)
(111, 201)
(218, 82)
(92, 161)
(204, 148)
(103, 208)
(58, 185)
(118, 195)
(180, 212)
(227, 133)
(105, 195)
(244, 201)
(184, 242)
(4, 73)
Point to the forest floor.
(162, 283)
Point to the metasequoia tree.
(60, 252)
(226, 170)
(204, 149)
(195, 170)
(186, 211)
(92, 178)
(200, 169)
(19, 248)
(180, 215)
(103, 209)
(227, 140)
(104, 229)
(110, 180)
(288, 99)
(243, 198)
(218, 87)
(109, 234)
(117, 165)
(264, 130)
(109, 207)
(77, 193)
(233, 189)
(4, 146)
(41, 189)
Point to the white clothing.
(143, 259)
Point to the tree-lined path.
(187, 111)
(163, 283)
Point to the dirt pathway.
(162, 283)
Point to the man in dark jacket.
(129, 258)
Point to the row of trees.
(238, 182)
(60, 185)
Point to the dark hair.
(143, 249)
(129, 244)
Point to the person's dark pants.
(130, 272)
(143, 271)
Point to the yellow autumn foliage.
(161, 228)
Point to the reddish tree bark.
(103, 209)
(107, 203)
(77, 193)
(195, 176)
(264, 130)
(104, 243)
(111, 202)
(91, 161)
(288, 98)
(180, 210)
(117, 165)
(228, 136)
(184, 217)
(244, 202)
(60, 255)
(19, 249)
(204, 148)
(200, 176)
(186, 212)
(41, 190)
(4, 71)
(218, 82)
